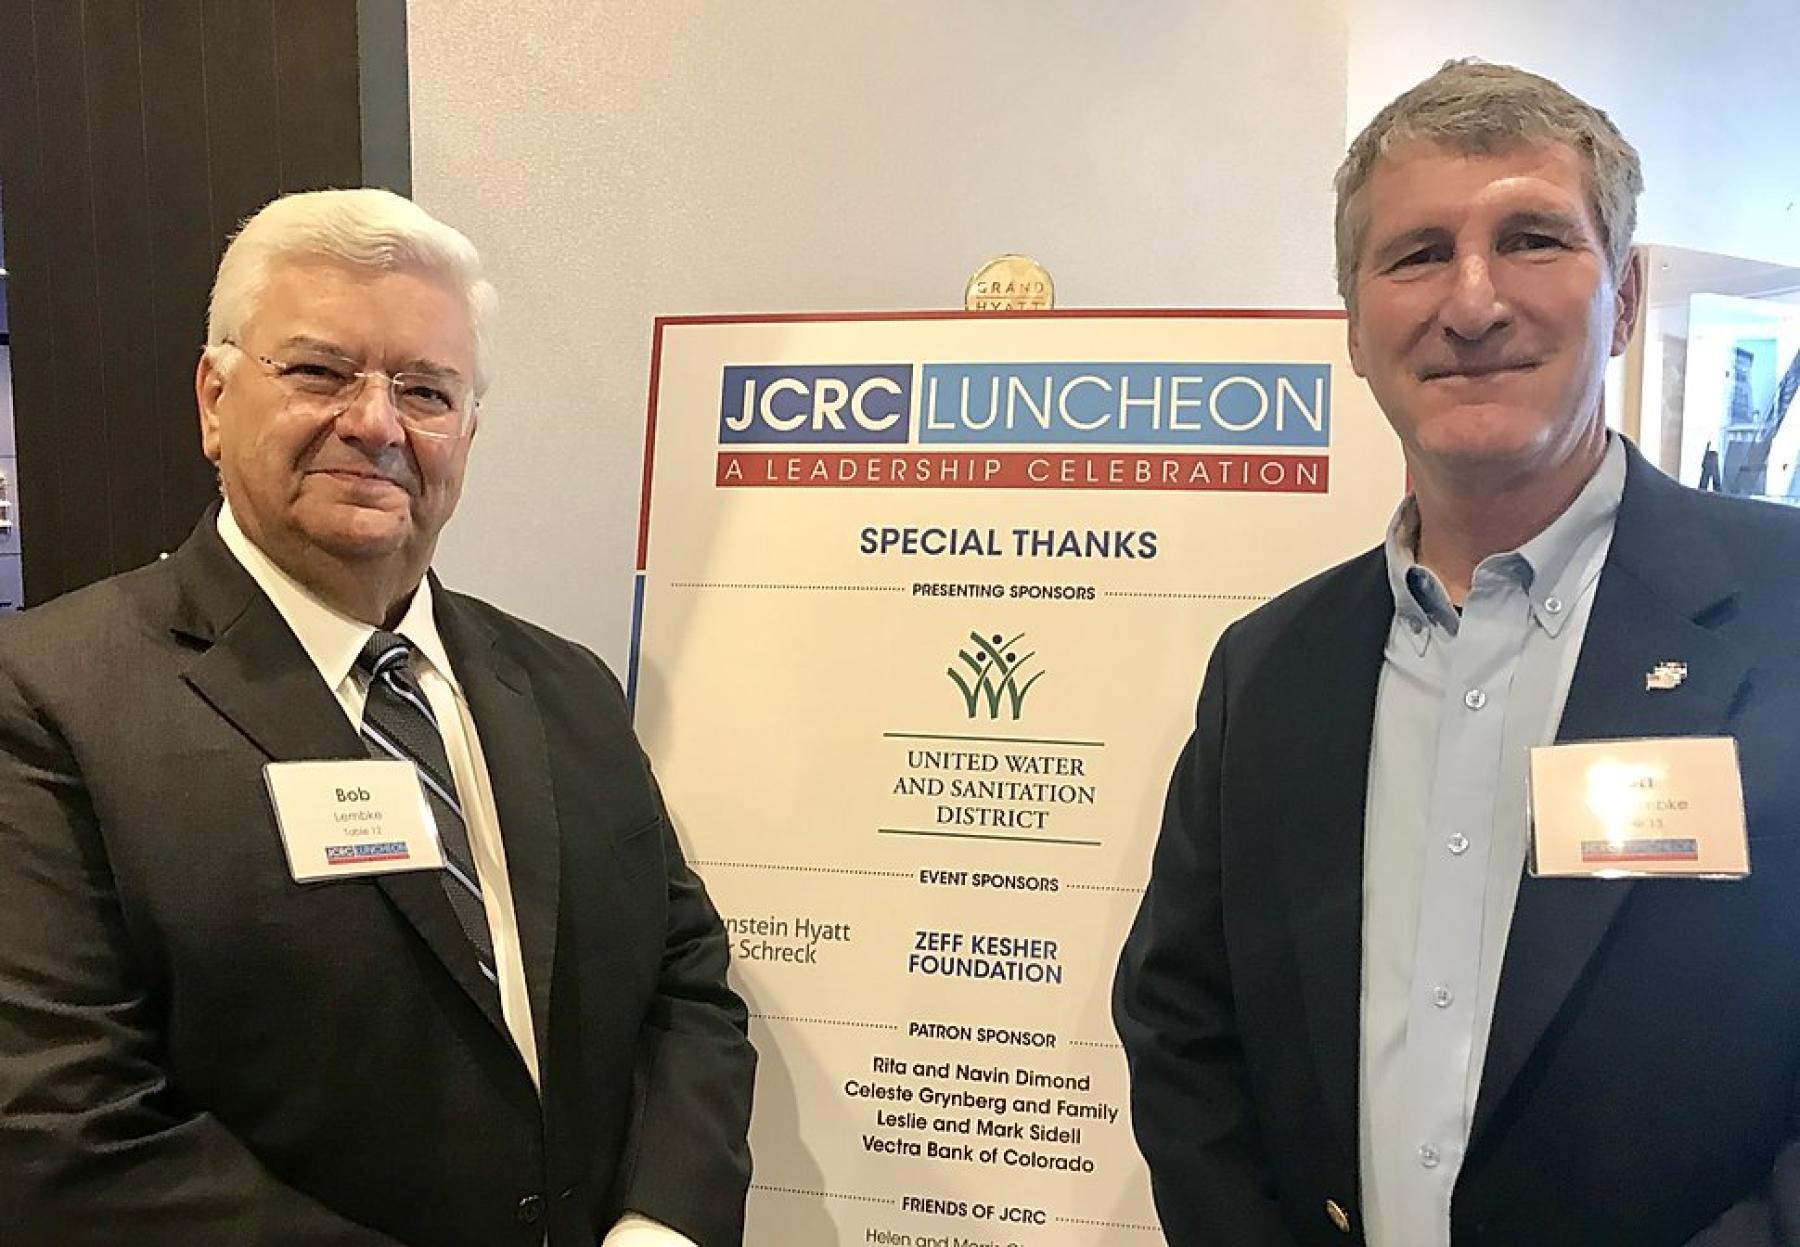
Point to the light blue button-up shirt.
(1462, 699)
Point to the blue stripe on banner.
(637, 638)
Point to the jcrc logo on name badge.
(363, 854)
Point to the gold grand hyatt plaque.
(1010, 283)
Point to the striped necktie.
(398, 723)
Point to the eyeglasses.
(430, 404)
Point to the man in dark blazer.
(199, 1043)
(1351, 1015)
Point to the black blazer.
(196, 1050)
(1640, 1084)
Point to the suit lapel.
(250, 668)
(254, 672)
(505, 708)
(419, 896)
(1659, 599)
(1323, 703)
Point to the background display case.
(1709, 385)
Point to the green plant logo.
(993, 674)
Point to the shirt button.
(1441, 996)
(1457, 844)
(1474, 699)
(1553, 605)
(1416, 625)
(1428, 1156)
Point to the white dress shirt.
(333, 641)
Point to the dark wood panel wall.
(134, 136)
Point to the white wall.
(1708, 93)
(640, 157)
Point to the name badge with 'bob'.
(346, 818)
(1620, 808)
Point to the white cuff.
(639, 1231)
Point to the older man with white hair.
(336, 907)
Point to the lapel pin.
(1665, 676)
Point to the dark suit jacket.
(1641, 1074)
(196, 1050)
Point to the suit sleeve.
(1172, 1004)
(691, 1164)
(96, 1147)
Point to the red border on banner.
(643, 543)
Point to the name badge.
(1619, 808)
(348, 818)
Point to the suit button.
(1339, 1217)
(530, 1210)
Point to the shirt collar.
(419, 625)
(332, 639)
(1553, 568)
(1420, 600)
(1563, 558)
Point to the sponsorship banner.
(922, 609)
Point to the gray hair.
(1473, 107)
(365, 229)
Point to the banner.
(922, 608)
